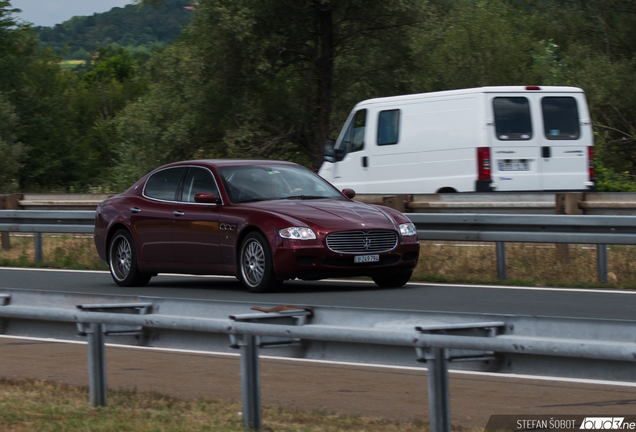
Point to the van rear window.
(512, 118)
(560, 118)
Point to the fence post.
(37, 243)
(501, 260)
(250, 383)
(8, 202)
(601, 262)
(96, 364)
(438, 393)
(568, 204)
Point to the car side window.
(163, 185)
(198, 180)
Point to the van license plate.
(514, 166)
(366, 258)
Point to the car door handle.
(178, 213)
(135, 209)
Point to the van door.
(514, 143)
(564, 141)
(352, 170)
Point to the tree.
(266, 71)
(11, 152)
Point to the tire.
(122, 261)
(256, 265)
(395, 280)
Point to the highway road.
(561, 302)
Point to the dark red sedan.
(261, 221)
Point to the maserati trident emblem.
(367, 243)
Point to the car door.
(196, 225)
(152, 216)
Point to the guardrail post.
(438, 393)
(501, 260)
(250, 383)
(601, 261)
(96, 364)
(37, 243)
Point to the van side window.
(512, 118)
(560, 118)
(353, 139)
(388, 127)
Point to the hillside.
(131, 27)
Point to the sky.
(50, 12)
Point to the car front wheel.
(394, 280)
(122, 261)
(256, 264)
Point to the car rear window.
(163, 184)
(560, 118)
(512, 118)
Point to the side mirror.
(206, 198)
(349, 193)
(329, 151)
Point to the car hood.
(331, 213)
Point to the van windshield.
(512, 118)
(560, 118)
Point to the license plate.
(514, 166)
(366, 258)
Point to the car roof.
(228, 162)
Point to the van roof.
(491, 89)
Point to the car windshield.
(273, 182)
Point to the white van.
(485, 139)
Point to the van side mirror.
(332, 154)
(349, 193)
(329, 151)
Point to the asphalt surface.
(559, 302)
(389, 393)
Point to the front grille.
(362, 242)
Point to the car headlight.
(297, 233)
(408, 229)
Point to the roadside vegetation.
(28, 406)
(168, 80)
(449, 262)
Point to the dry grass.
(29, 406)
(527, 264)
(58, 251)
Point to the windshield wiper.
(304, 197)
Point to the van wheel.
(394, 280)
(122, 261)
(446, 190)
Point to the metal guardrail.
(543, 346)
(591, 203)
(600, 230)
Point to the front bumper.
(295, 260)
